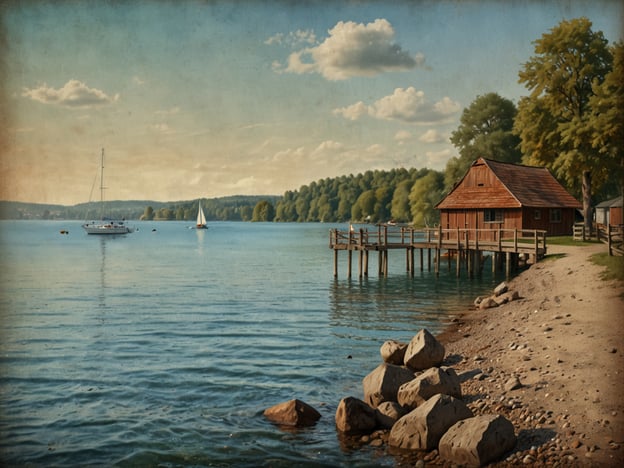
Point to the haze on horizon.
(207, 99)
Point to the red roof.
(512, 186)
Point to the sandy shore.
(564, 341)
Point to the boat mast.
(102, 186)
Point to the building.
(496, 195)
(609, 212)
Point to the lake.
(164, 347)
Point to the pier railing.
(467, 242)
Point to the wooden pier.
(466, 246)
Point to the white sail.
(201, 219)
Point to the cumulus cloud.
(431, 136)
(406, 105)
(352, 112)
(402, 135)
(352, 49)
(74, 94)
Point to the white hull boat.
(105, 226)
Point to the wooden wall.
(516, 218)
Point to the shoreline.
(564, 341)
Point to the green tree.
(400, 209)
(607, 124)
(485, 131)
(426, 193)
(246, 213)
(263, 211)
(148, 214)
(364, 207)
(553, 122)
(383, 202)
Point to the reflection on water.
(201, 233)
(400, 303)
(102, 290)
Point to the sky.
(195, 99)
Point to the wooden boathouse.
(467, 246)
(496, 195)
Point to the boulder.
(487, 303)
(513, 383)
(507, 297)
(501, 289)
(383, 383)
(393, 352)
(478, 441)
(388, 413)
(431, 382)
(292, 413)
(422, 428)
(423, 352)
(353, 416)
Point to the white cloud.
(402, 135)
(137, 80)
(375, 149)
(73, 94)
(431, 136)
(353, 49)
(352, 112)
(406, 105)
(328, 145)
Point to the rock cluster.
(502, 295)
(420, 402)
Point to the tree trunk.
(587, 205)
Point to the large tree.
(607, 124)
(553, 122)
(485, 130)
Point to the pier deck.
(466, 245)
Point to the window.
(493, 216)
(537, 215)
(555, 215)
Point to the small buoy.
(349, 357)
(154, 230)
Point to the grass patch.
(614, 266)
(569, 240)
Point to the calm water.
(164, 347)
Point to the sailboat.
(105, 225)
(201, 219)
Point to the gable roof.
(519, 186)
(613, 203)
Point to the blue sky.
(211, 98)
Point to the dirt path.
(564, 341)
